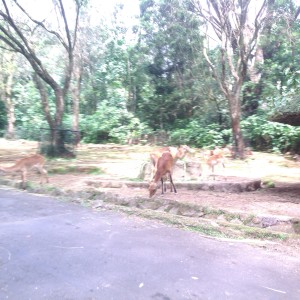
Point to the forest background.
(202, 73)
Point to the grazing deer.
(176, 152)
(24, 165)
(163, 166)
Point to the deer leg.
(213, 171)
(172, 184)
(44, 173)
(162, 185)
(23, 176)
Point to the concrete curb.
(98, 198)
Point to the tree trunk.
(56, 138)
(235, 115)
(75, 91)
(10, 111)
(7, 71)
(57, 133)
(10, 108)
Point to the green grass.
(76, 169)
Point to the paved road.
(55, 250)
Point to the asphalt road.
(50, 249)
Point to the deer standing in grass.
(164, 166)
(24, 165)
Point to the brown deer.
(24, 165)
(163, 166)
(177, 153)
(215, 157)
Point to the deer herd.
(162, 161)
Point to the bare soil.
(118, 162)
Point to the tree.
(7, 73)
(22, 33)
(236, 26)
(281, 75)
(173, 82)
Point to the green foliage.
(161, 79)
(111, 124)
(29, 115)
(269, 184)
(286, 97)
(281, 75)
(177, 73)
(265, 135)
(199, 135)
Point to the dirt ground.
(124, 163)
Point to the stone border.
(279, 224)
(224, 186)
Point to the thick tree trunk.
(56, 138)
(75, 90)
(7, 78)
(235, 115)
(10, 108)
(10, 111)
(237, 137)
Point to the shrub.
(198, 135)
(111, 124)
(266, 135)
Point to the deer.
(176, 152)
(215, 157)
(164, 166)
(25, 164)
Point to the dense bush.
(258, 132)
(111, 124)
(199, 135)
(265, 135)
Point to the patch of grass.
(268, 183)
(248, 219)
(258, 233)
(207, 230)
(59, 170)
(264, 234)
(230, 216)
(95, 171)
(76, 169)
(211, 211)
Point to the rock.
(256, 220)
(268, 221)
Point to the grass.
(209, 227)
(76, 169)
